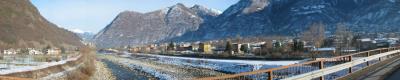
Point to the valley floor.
(149, 66)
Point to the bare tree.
(343, 38)
(315, 35)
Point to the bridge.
(345, 67)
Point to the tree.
(244, 48)
(62, 49)
(46, 48)
(228, 47)
(171, 46)
(315, 35)
(298, 45)
(24, 51)
(343, 38)
(266, 48)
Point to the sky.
(94, 15)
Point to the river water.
(123, 73)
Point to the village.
(32, 51)
(272, 48)
(19, 58)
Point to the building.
(247, 47)
(324, 52)
(366, 44)
(236, 47)
(32, 51)
(53, 51)
(184, 47)
(10, 51)
(206, 48)
(134, 50)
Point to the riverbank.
(160, 70)
(102, 72)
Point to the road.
(394, 76)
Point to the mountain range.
(136, 28)
(258, 18)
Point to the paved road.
(394, 76)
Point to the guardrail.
(328, 68)
(13, 78)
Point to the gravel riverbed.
(102, 72)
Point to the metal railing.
(13, 78)
(325, 68)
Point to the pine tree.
(171, 46)
(244, 48)
(228, 47)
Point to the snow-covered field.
(8, 66)
(232, 66)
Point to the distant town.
(304, 46)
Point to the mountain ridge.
(22, 26)
(135, 28)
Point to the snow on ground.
(60, 75)
(14, 69)
(233, 66)
(156, 71)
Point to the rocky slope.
(21, 25)
(134, 28)
(291, 17)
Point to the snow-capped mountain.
(251, 18)
(205, 13)
(134, 28)
(291, 17)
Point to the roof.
(323, 49)
(365, 39)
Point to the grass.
(84, 72)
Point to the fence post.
(270, 75)
(350, 71)
(321, 66)
(368, 54)
(380, 51)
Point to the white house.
(10, 51)
(34, 52)
(53, 51)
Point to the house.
(366, 44)
(381, 42)
(10, 51)
(184, 47)
(195, 47)
(32, 51)
(134, 50)
(324, 52)
(204, 47)
(53, 51)
(246, 46)
(236, 47)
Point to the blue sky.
(94, 15)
